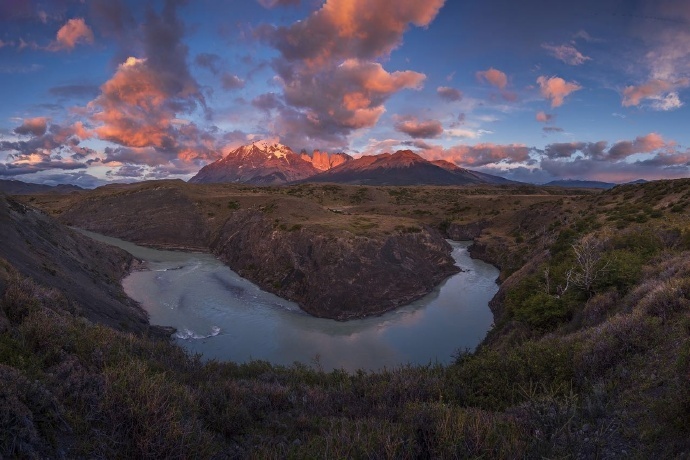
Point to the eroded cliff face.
(162, 217)
(334, 276)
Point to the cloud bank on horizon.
(118, 90)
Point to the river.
(225, 317)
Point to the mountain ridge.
(266, 163)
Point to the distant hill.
(580, 184)
(403, 167)
(588, 183)
(17, 187)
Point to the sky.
(99, 91)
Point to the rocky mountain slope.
(87, 272)
(323, 161)
(265, 163)
(260, 163)
(403, 167)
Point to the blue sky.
(111, 90)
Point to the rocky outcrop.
(462, 232)
(161, 216)
(87, 272)
(340, 277)
(323, 161)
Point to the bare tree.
(589, 251)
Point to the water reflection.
(201, 297)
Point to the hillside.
(86, 272)
(594, 370)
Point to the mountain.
(259, 163)
(323, 161)
(470, 175)
(17, 187)
(403, 167)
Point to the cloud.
(419, 129)
(660, 92)
(230, 81)
(16, 169)
(552, 129)
(598, 150)
(208, 61)
(556, 89)
(138, 107)
(641, 144)
(73, 32)
(493, 77)
(480, 154)
(267, 102)
(449, 94)
(274, 3)
(34, 126)
(544, 117)
(329, 65)
(566, 53)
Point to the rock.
(335, 276)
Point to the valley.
(596, 364)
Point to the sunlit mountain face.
(535, 91)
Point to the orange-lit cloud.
(662, 93)
(479, 154)
(419, 129)
(641, 144)
(332, 80)
(73, 32)
(493, 77)
(33, 126)
(556, 89)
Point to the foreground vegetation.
(590, 358)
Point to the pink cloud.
(333, 81)
(544, 117)
(661, 92)
(641, 144)
(73, 32)
(33, 126)
(480, 154)
(419, 129)
(566, 53)
(493, 77)
(556, 89)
